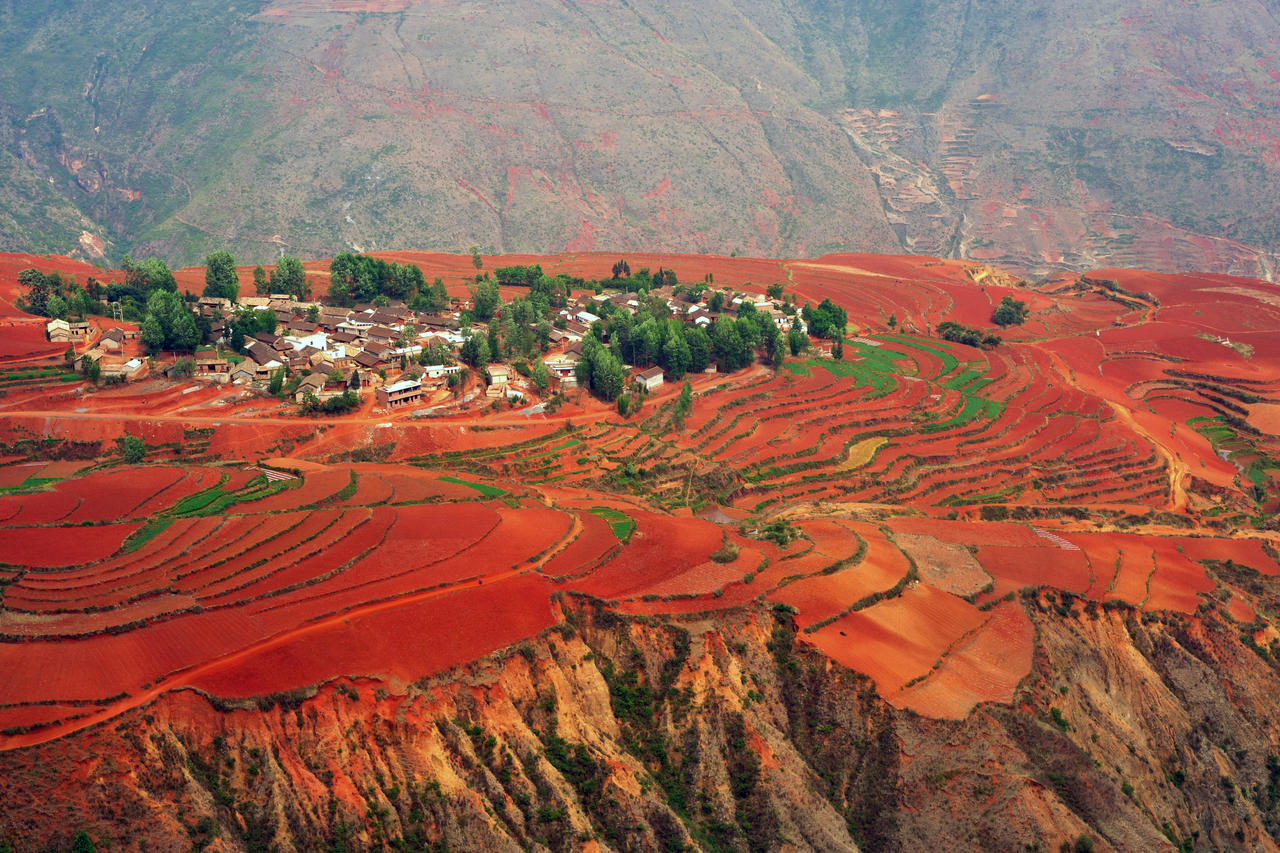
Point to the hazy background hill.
(1034, 135)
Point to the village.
(386, 357)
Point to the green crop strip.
(486, 490)
(620, 523)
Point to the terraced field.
(901, 502)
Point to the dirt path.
(1179, 471)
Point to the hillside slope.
(1033, 137)
(1141, 747)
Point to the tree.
(1010, 312)
(277, 382)
(220, 277)
(261, 285)
(778, 354)
(675, 354)
(185, 335)
(699, 349)
(70, 355)
(730, 350)
(132, 449)
(155, 274)
(608, 376)
(684, 405)
(439, 296)
(37, 291)
(152, 334)
(56, 307)
(775, 291)
(893, 320)
(827, 320)
(313, 314)
(485, 300)
(495, 350)
(797, 341)
(541, 380)
(82, 843)
(289, 277)
(173, 327)
(476, 260)
(474, 351)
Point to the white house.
(650, 378)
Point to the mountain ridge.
(1035, 139)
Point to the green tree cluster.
(244, 324)
(220, 277)
(1010, 312)
(485, 300)
(289, 277)
(961, 334)
(474, 350)
(344, 402)
(51, 295)
(826, 320)
(168, 324)
(432, 299)
(360, 278)
(600, 370)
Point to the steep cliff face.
(725, 734)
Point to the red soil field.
(317, 529)
(1018, 567)
(1133, 580)
(417, 486)
(194, 480)
(967, 533)
(424, 535)
(22, 716)
(1090, 413)
(370, 489)
(346, 540)
(26, 340)
(660, 548)
(48, 547)
(595, 540)
(40, 507)
(900, 639)
(983, 667)
(1177, 582)
(108, 495)
(315, 487)
(706, 577)
(15, 475)
(1248, 552)
(403, 641)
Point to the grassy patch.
(486, 490)
(620, 523)
(146, 533)
(565, 445)
(796, 368)
(937, 349)
(30, 484)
